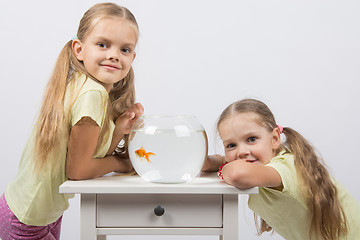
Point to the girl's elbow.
(79, 169)
(239, 178)
(77, 174)
(73, 175)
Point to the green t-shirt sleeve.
(91, 104)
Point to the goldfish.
(141, 153)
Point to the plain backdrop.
(195, 57)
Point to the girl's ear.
(77, 49)
(276, 138)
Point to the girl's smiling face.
(246, 140)
(108, 51)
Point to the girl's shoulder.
(85, 97)
(82, 86)
(284, 156)
(86, 84)
(284, 164)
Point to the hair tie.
(281, 128)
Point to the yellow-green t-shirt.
(286, 211)
(35, 198)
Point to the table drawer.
(137, 210)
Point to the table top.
(205, 183)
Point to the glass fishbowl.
(167, 149)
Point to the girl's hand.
(125, 165)
(123, 125)
(212, 163)
(125, 121)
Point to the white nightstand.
(128, 205)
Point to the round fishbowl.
(167, 149)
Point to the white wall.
(196, 57)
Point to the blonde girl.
(297, 196)
(88, 108)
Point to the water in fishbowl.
(168, 156)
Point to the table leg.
(230, 217)
(88, 216)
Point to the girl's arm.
(247, 175)
(82, 143)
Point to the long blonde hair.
(53, 123)
(327, 215)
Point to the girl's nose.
(115, 59)
(114, 55)
(242, 152)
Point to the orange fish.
(143, 154)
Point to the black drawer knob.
(159, 211)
